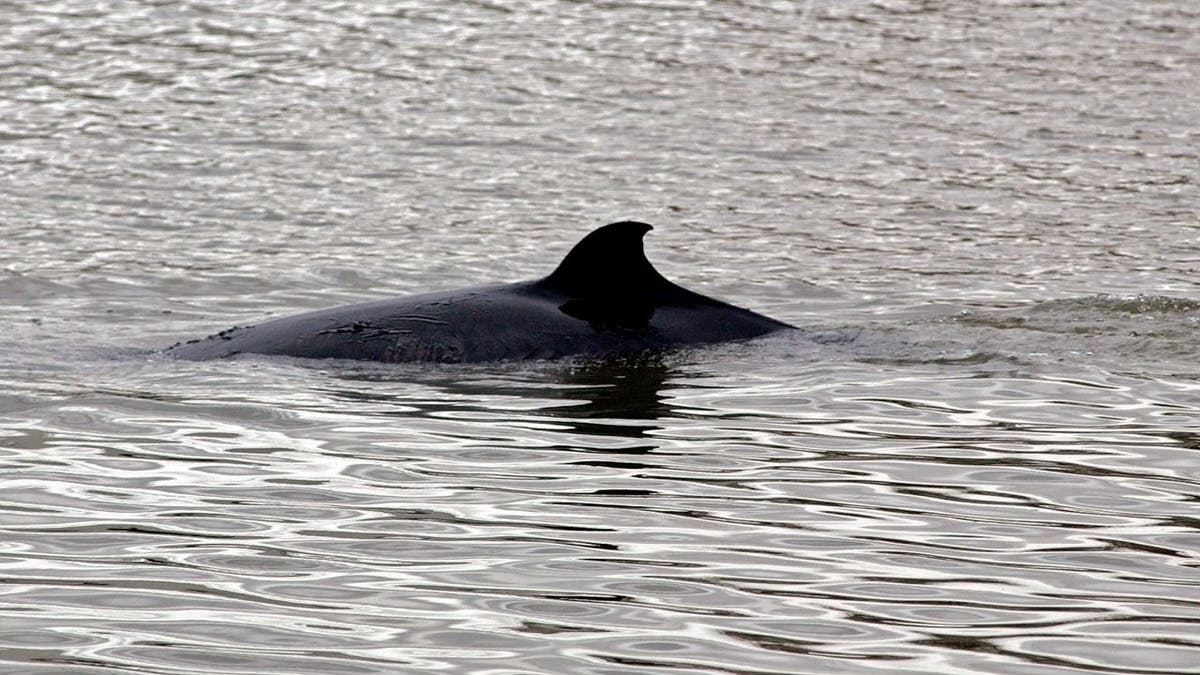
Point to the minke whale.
(603, 299)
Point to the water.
(983, 457)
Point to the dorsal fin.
(608, 262)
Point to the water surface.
(982, 455)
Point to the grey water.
(981, 455)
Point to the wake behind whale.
(603, 299)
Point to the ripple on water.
(981, 458)
(690, 552)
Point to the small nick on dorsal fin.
(610, 261)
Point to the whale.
(604, 299)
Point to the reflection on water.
(629, 389)
(616, 397)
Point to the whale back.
(604, 298)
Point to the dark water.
(982, 456)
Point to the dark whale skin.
(605, 299)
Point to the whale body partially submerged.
(604, 299)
